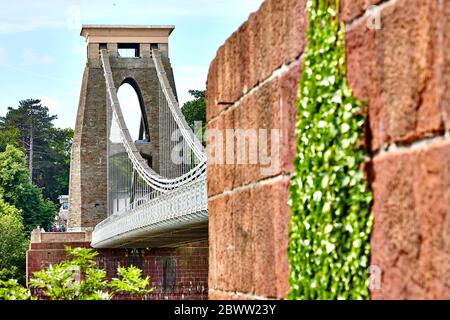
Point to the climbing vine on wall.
(330, 219)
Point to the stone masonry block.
(410, 240)
(396, 69)
(272, 36)
(351, 9)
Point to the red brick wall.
(186, 267)
(402, 70)
(252, 84)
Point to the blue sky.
(42, 54)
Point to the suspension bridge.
(154, 194)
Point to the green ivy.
(330, 219)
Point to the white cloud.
(170, 8)
(189, 78)
(28, 25)
(27, 71)
(52, 104)
(25, 16)
(30, 57)
(73, 14)
(66, 116)
(35, 15)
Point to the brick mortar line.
(368, 12)
(240, 294)
(421, 144)
(274, 75)
(252, 184)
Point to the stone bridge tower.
(129, 48)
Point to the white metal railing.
(184, 206)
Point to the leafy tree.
(52, 173)
(18, 190)
(47, 148)
(8, 136)
(80, 279)
(195, 110)
(34, 123)
(13, 244)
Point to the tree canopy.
(8, 136)
(19, 191)
(47, 148)
(34, 171)
(195, 111)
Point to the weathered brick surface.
(401, 70)
(351, 9)
(272, 36)
(249, 243)
(218, 295)
(445, 33)
(52, 237)
(175, 273)
(410, 241)
(270, 107)
(252, 86)
(398, 70)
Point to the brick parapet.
(252, 85)
(401, 70)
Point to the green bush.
(79, 278)
(12, 290)
(330, 216)
(13, 244)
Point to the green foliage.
(51, 146)
(83, 258)
(195, 110)
(51, 161)
(12, 290)
(330, 219)
(79, 278)
(56, 167)
(13, 243)
(18, 190)
(130, 280)
(8, 136)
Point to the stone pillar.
(144, 50)
(36, 236)
(88, 171)
(113, 49)
(164, 49)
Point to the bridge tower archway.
(129, 49)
